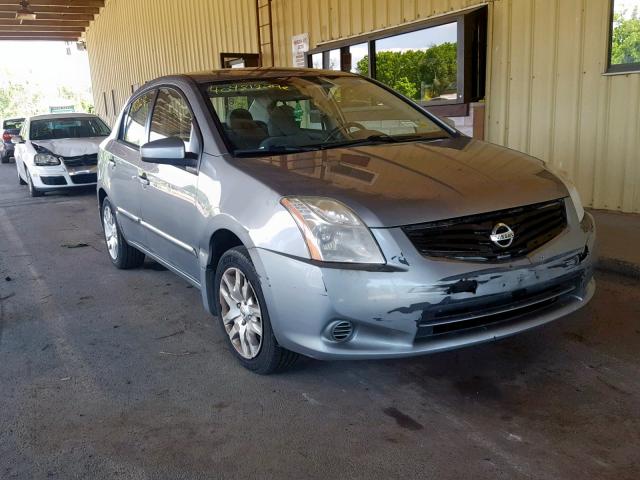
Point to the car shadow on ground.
(81, 191)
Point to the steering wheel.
(344, 127)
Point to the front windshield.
(54, 128)
(309, 112)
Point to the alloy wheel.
(241, 313)
(110, 231)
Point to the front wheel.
(244, 316)
(33, 191)
(20, 180)
(122, 255)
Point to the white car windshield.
(315, 111)
(55, 128)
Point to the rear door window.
(135, 121)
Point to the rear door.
(124, 167)
(169, 200)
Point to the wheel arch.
(102, 194)
(220, 241)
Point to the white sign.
(299, 46)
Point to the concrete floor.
(112, 374)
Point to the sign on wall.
(299, 46)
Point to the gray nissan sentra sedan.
(322, 214)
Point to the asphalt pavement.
(122, 374)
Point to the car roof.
(228, 74)
(52, 116)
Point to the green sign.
(62, 109)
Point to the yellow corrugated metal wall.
(546, 94)
(133, 41)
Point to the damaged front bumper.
(420, 305)
(61, 176)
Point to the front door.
(168, 201)
(124, 168)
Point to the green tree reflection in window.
(418, 74)
(625, 41)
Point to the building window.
(315, 60)
(239, 60)
(357, 57)
(437, 62)
(422, 65)
(624, 39)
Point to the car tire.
(122, 255)
(4, 158)
(33, 191)
(269, 357)
(20, 180)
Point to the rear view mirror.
(16, 139)
(167, 151)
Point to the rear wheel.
(244, 316)
(4, 158)
(122, 254)
(33, 191)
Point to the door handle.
(142, 178)
(112, 161)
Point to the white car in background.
(58, 151)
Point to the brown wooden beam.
(58, 3)
(51, 16)
(45, 23)
(33, 34)
(39, 10)
(48, 38)
(31, 28)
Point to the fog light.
(341, 331)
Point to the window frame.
(621, 68)
(198, 132)
(250, 57)
(120, 137)
(465, 19)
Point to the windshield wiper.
(370, 140)
(274, 150)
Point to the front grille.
(57, 180)
(466, 315)
(81, 161)
(83, 178)
(469, 238)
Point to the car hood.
(406, 183)
(71, 147)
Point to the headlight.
(45, 159)
(573, 193)
(333, 232)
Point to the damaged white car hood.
(71, 147)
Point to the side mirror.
(17, 139)
(167, 151)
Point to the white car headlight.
(332, 231)
(573, 193)
(45, 160)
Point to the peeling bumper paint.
(387, 308)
